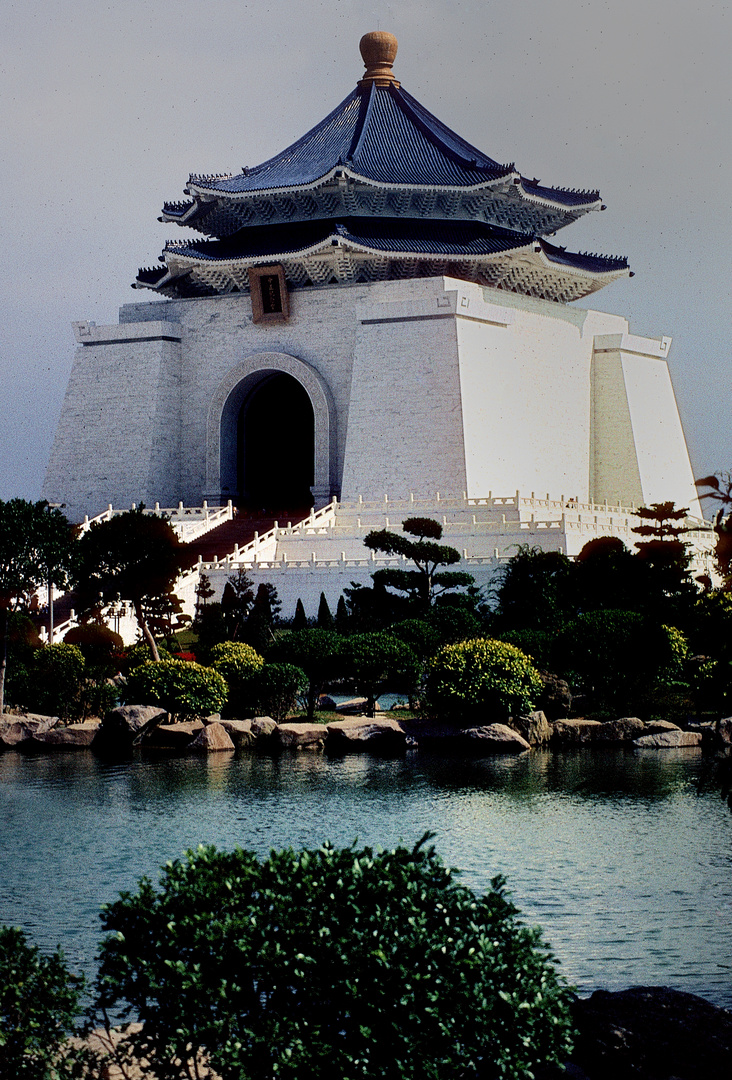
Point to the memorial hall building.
(376, 323)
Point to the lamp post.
(51, 506)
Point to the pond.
(623, 857)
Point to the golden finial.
(378, 50)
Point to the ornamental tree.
(375, 660)
(135, 557)
(317, 653)
(427, 581)
(37, 546)
(330, 963)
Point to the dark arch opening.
(276, 445)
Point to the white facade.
(417, 387)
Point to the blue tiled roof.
(408, 236)
(383, 134)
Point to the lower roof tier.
(366, 249)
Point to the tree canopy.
(36, 547)
(135, 557)
(427, 581)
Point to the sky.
(107, 109)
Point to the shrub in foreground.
(331, 962)
(481, 681)
(39, 1005)
(186, 690)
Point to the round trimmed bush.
(277, 688)
(331, 963)
(481, 681)
(186, 690)
(56, 680)
(238, 663)
(101, 647)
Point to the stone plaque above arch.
(223, 413)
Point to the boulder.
(128, 725)
(668, 740)
(174, 736)
(301, 736)
(534, 727)
(492, 739)
(624, 729)
(575, 732)
(240, 732)
(555, 699)
(723, 732)
(21, 727)
(655, 727)
(210, 739)
(354, 707)
(355, 733)
(75, 736)
(652, 1033)
(325, 701)
(263, 727)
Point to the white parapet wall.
(326, 554)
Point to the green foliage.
(57, 680)
(300, 620)
(427, 581)
(419, 634)
(277, 687)
(454, 618)
(536, 591)
(374, 661)
(36, 546)
(616, 657)
(236, 603)
(135, 557)
(325, 619)
(481, 682)
(39, 1007)
(332, 963)
(317, 653)
(101, 648)
(342, 618)
(538, 645)
(22, 641)
(263, 617)
(139, 654)
(238, 663)
(185, 689)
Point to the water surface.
(623, 857)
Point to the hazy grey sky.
(108, 107)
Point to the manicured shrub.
(331, 963)
(238, 663)
(39, 1005)
(481, 682)
(56, 681)
(101, 648)
(618, 657)
(185, 690)
(375, 661)
(139, 654)
(317, 653)
(277, 687)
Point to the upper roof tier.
(379, 189)
(378, 145)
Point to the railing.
(189, 522)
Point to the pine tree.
(342, 618)
(300, 621)
(325, 619)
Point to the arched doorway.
(276, 444)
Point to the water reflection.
(624, 857)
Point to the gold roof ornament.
(378, 50)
